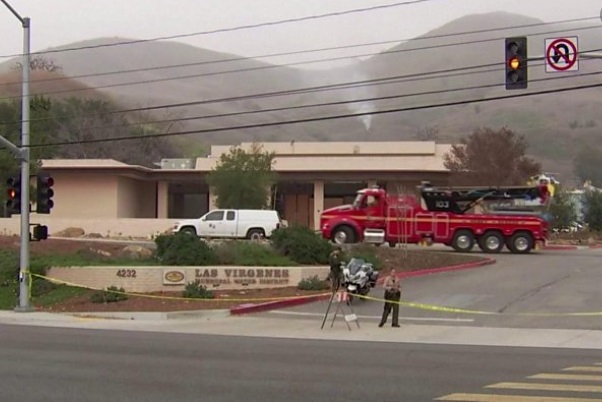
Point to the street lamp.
(24, 277)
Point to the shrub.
(366, 252)
(183, 249)
(301, 244)
(250, 254)
(313, 283)
(194, 290)
(9, 272)
(109, 295)
(593, 210)
(9, 267)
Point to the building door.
(212, 224)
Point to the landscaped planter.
(146, 279)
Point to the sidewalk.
(304, 329)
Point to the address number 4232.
(126, 273)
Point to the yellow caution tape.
(444, 309)
(421, 306)
(60, 282)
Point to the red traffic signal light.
(13, 202)
(516, 63)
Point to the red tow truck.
(490, 217)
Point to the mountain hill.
(151, 74)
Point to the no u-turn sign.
(561, 54)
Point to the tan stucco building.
(312, 176)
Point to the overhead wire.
(317, 119)
(237, 28)
(298, 52)
(347, 102)
(207, 74)
(445, 73)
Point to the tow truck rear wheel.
(491, 242)
(463, 241)
(343, 234)
(520, 243)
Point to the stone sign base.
(145, 279)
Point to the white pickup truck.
(232, 223)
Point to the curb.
(572, 247)
(260, 307)
(560, 247)
(153, 315)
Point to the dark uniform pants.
(394, 297)
(335, 277)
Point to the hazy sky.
(61, 22)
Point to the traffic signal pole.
(24, 277)
(23, 154)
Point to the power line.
(316, 119)
(348, 85)
(315, 51)
(237, 28)
(289, 64)
(347, 102)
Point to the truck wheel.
(491, 242)
(343, 234)
(255, 234)
(463, 241)
(188, 230)
(520, 243)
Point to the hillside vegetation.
(556, 125)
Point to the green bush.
(302, 245)
(593, 210)
(250, 254)
(109, 295)
(313, 283)
(9, 267)
(194, 290)
(366, 252)
(9, 272)
(183, 249)
(40, 287)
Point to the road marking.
(547, 387)
(583, 368)
(375, 317)
(510, 398)
(575, 377)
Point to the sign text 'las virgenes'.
(243, 276)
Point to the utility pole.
(24, 277)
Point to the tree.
(592, 214)
(427, 133)
(587, 165)
(39, 63)
(562, 210)
(492, 158)
(242, 180)
(83, 121)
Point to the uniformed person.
(335, 259)
(392, 287)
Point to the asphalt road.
(57, 364)
(540, 290)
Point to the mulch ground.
(401, 260)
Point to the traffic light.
(516, 63)
(40, 232)
(13, 196)
(44, 202)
